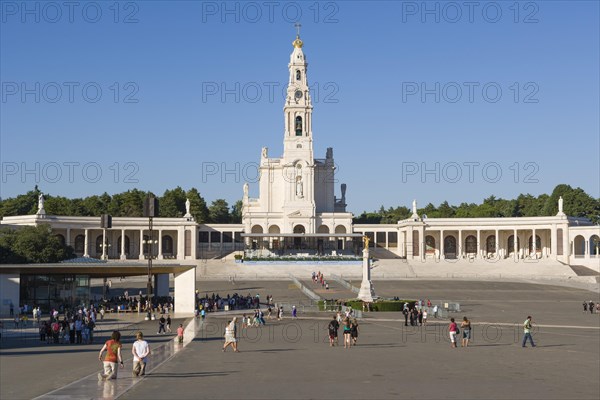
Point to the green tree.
(34, 244)
(7, 242)
(445, 210)
(236, 212)
(172, 203)
(576, 203)
(198, 207)
(218, 212)
(24, 204)
(368, 218)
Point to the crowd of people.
(350, 329)
(235, 301)
(418, 312)
(319, 279)
(74, 328)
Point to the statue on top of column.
(414, 207)
(187, 208)
(41, 210)
(560, 206)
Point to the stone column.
(180, 243)
(160, 254)
(366, 292)
(422, 243)
(104, 244)
(442, 244)
(566, 247)
(194, 242)
(460, 245)
(533, 244)
(478, 243)
(515, 245)
(387, 241)
(68, 238)
(553, 240)
(141, 255)
(123, 256)
(497, 244)
(86, 244)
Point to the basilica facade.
(297, 208)
(297, 214)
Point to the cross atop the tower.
(298, 26)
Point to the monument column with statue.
(366, 292)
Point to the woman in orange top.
(113, 356)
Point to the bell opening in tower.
(298, 126)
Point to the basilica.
(297, 211)
(298, 216)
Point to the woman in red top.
(113, 356)
(453, 330)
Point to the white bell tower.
(298, 142)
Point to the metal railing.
(304, 289)
(344, 283)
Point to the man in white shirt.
(140, 351)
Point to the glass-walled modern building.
(55, 291)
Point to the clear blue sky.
(369, 61)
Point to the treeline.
(126, 204)
(576, 203)
(32, 244)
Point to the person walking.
(527, 326)
(78, 330)
(453, 331)
(180, 334)
(424, 317)
(169, 324)
(333, 328)
(591, 307)
(347, 333)
(466, 332)
(140, 351)
(161, 325)
(294, 312)
(113, 356)
(585, 304)
(230, 338)
(354, 331)
(405, 312)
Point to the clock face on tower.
(298, 94)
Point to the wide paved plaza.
(291, 359)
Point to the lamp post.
(150, 246)
(105, 223)
(150, 211)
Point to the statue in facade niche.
(299, 187)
